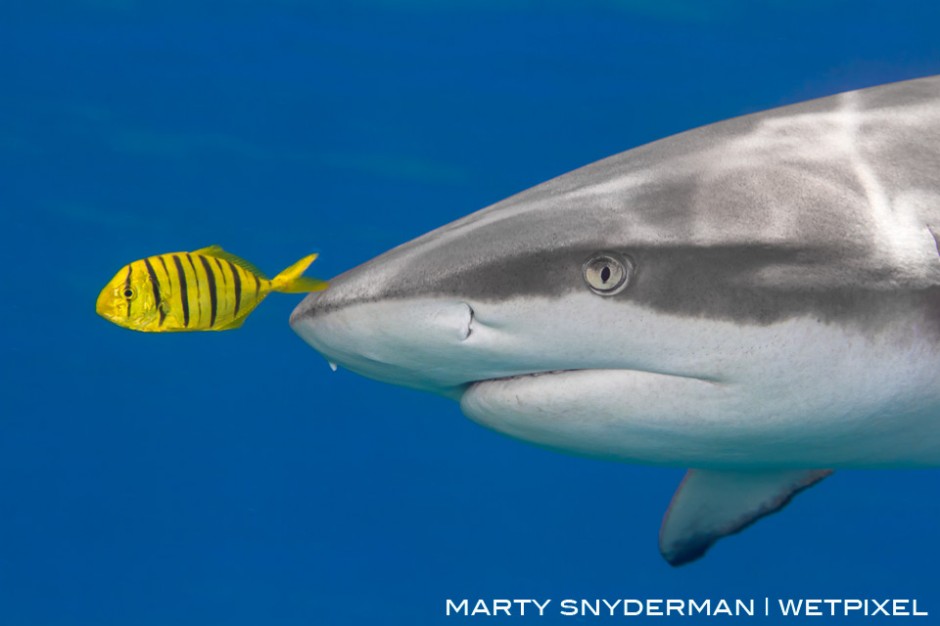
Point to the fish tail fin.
(292, 280)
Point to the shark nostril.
(469, 329)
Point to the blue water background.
(231, 478)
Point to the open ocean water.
(232, 478)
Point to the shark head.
(662, 304)
(578, 274)
(526, 288)
(757, 297)
(442, 307)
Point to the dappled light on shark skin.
(756, 299)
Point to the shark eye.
(607, 274)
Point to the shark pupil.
(605, 273)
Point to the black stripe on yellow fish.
(165, 270)
(156, 290)
(213, 295)
(128, 292)
(236, 279)
(174, 284)
(184, 292)
(218, 264)
(197, 285)
(257, 289)
(170, 287)
(224, 294)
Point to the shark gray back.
(777, 315)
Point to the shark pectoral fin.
(711, 504)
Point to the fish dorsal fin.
(217, 251)
(711, 504)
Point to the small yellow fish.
(208, 289)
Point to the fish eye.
(128, 293)
(607, 273)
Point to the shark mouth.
(582, 370)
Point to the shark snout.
(412, 341)
(311, 307)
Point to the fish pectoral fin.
(711, 504)
(236, 323)
(217, 251)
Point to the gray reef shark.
(757, 299)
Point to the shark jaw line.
(612, 413)
(585, 370)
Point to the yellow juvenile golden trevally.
(208, 289)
